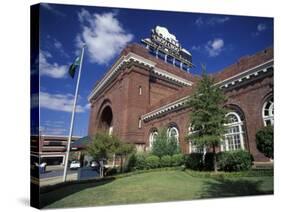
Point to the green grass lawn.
(158, 186)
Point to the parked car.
(95, 165)
(42, 167)
(74, 164)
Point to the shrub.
(111, 171)
(140, 161)
(194, 161)
(131, 163)
(238, 160)
(208, 162)
(152, 162)
(177, 160)
(166, 161)
(264, 138)
(163, 145)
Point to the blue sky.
(215, 40)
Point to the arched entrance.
(106, 120)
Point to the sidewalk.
(58, 179)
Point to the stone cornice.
(165, 109)
(171, 77)
(246, 75)
(134, 58)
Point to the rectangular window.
(140, 90)
(139, 123)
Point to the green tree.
(164, 145)
(264, 138)
(123, 151)
(207, 115)
(105, 146)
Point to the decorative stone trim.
(134, 58)
(165, 109)
(239, 78)
(172, 77)
(246, 75)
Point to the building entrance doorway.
(106, 120)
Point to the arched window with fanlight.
(173, 132)
(268, 112)
(234, 136)
(193, 148)
(152, 137)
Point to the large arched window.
(268, 112)
(173, 132)
(152, 137)
(192, 147)
(234, 138)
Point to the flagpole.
(72, 117)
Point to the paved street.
(56, 173)
(53, 175)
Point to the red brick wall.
(122, 95)
(127, 105)
(250, 99)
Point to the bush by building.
(164, 145)
(208, 162)
(264, 138)
(140, 161)
(152, 162)
(239, 160)
(194, 161)
(177, 160)
(166, 161)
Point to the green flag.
(73, 67)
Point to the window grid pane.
(234, 133)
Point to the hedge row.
(147, 161)
(238, 160)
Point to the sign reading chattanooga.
(162, 36)
(164, 45)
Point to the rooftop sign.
(164, 44)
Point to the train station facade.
(147, 87)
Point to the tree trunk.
(121, 166)
(114, 160)
(82, 156)
(215, 159)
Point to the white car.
(74, 164)
(94, 165)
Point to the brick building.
(52, 148)
(145, 90)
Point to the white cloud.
(200, 21)
(261, 27)
(53, 70)
(220, 20)
(103, 35)
(53, 128)
(214, 47)
(88, 106)
(196, 48)
(59, 102)
(52, 9)
(58, 45)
